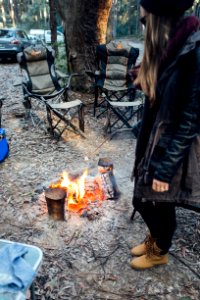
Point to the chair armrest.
(61, 75)
(70, 78)
(18, 81)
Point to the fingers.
(160, 186)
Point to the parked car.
(39, 33)
(12, 41)
(47, 37)
(35, 39)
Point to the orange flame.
(78, 197)
(75, 188)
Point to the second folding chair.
(46, 102)
(115, 94)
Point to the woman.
(167, 164)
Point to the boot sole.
(149, 266)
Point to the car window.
(22, 34)
(6, 33)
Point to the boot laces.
(149, 244)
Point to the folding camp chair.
(115, 94)
(46, 102)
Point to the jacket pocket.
(155, 151)
(191, 179)
(156, 158)
(158, 154)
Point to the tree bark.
(53, 23)
(16, 12)
(3, 12)
(85, 25)
(11, 12)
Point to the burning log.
(55, 198)
(106, 179)
(84, 193)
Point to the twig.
(47, 247)
(90, 155)
(107, 256)
(130, 295)
(22, 227)
(71, 238)
(120, 209)
(184, 263)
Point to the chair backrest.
(115, 60)
(38, 69)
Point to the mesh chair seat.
(115, 93)
(42, 90)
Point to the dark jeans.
(160, 218)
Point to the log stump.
(55, 198)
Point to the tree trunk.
(85, 25)
(16, 12)
(53, 24)
(11, 12)
(3, 12)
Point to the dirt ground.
(85, 258)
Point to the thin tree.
(53, 23)
(3, 12)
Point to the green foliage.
(197, 8)
(61, 59)
(36, 16)
(127, 17)
(124, 19)
(28, 14)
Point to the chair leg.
(139, 112)
(133, 214)
(32, 291)
(81, 118)
(49, 118)
(26, 100)
(66, 121)
(96, 95)
(120, 117)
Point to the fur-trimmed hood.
(180, 36)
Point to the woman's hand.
(160, 186)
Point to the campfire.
(82, 193)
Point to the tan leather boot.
(150, 259)
(143, 248)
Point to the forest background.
(85, 24)
(35, 14)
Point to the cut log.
(55, 198)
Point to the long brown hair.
(156, 37)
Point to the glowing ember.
(81, 191)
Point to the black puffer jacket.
(168, 147)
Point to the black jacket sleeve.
(146, 125)
(188, 127)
